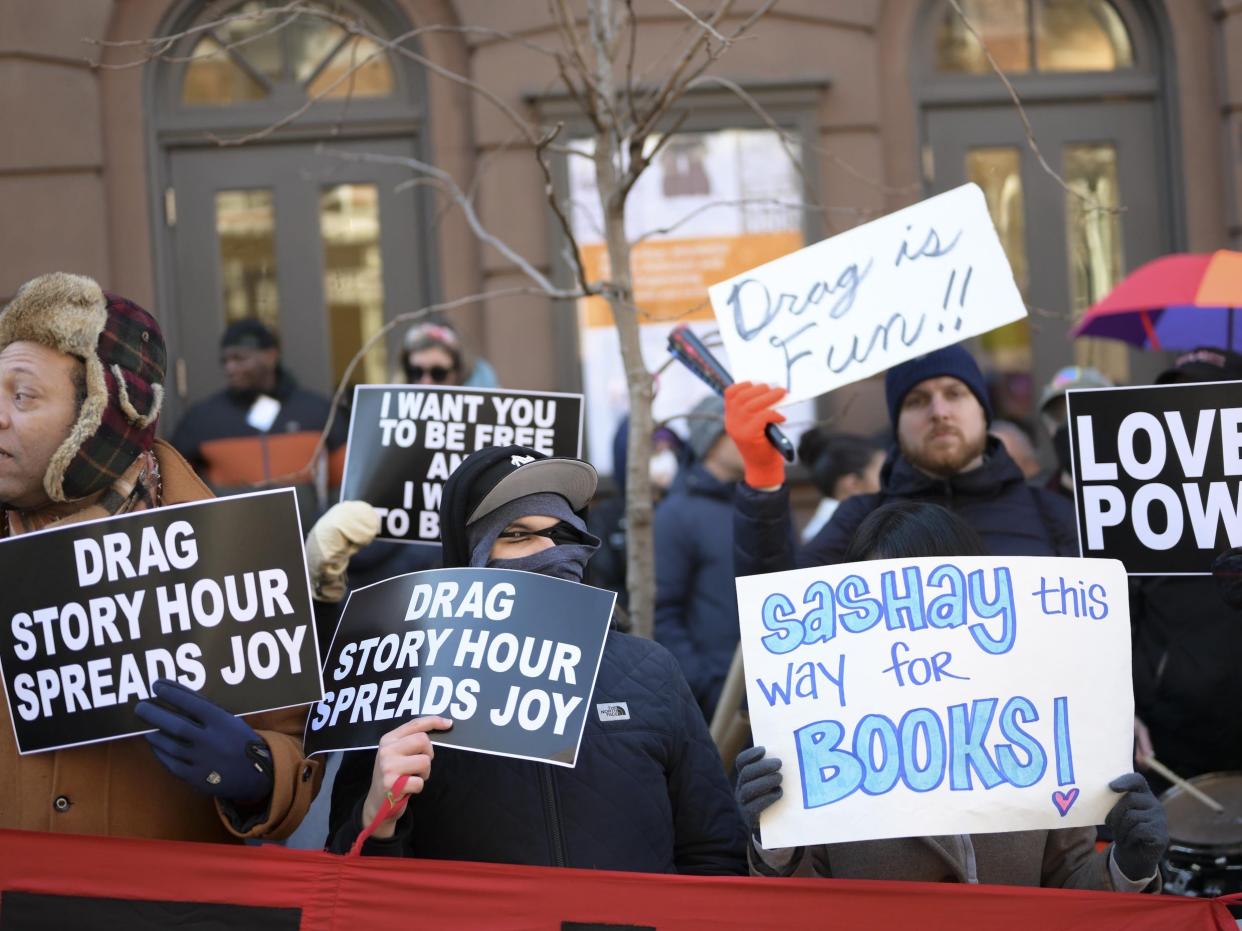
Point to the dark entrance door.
(321, 248)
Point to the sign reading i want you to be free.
(1158, 474)
(212, 594)
(847, 307)
(406, 440)
(511, 657)
(910, 698)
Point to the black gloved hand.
(758, 784)
(1140, 831)
(215, 752)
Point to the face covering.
(567, 561)
(663, 468)
(1061, 446)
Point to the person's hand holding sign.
(405, 751)
(749, 408)
(344, 529)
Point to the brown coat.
(119, 788)
(1064, 858)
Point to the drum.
(1205, 848)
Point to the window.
(256, 50)
(1033, 35)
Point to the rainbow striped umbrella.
(1174, 302)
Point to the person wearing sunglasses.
(434, 355)
(648, 793)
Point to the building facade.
(244, 166)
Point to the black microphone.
(694, 355)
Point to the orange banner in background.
(671, 276)
(52, 881)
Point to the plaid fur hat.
(123, 350)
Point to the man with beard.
(263, 425)
(939, 410)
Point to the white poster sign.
(909, 698)
(848, 307)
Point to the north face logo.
(521, 460)
(613, 711)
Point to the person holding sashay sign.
(648, 793)
(1064, 857)
(81, 385)
(939, 410)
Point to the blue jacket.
(1013, 518)
(648, 793)
(696, 602)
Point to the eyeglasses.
(438, 373)
(559, 534)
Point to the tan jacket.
(119, 788)
(1064, 858)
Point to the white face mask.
(663, 468)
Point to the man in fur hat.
(81, 385)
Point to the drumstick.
(1181, 783)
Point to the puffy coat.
(1187, 689)
(648, 794)
(1013, 518)
(696, 601)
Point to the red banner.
(47, 880)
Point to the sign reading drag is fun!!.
(94, 613)
(847, 307)
(927, 696)
(406, 440)
(1158, 474)
(511, 657)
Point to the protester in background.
(1018, 445)
(696, 602)
(434, 355)
(939, 413)
(263, 427)
(82, 379)
(648, 796)
(1054, 415)
(842, 465)
(1064, 858)
(1188, 644)
(607, 569)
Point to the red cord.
(389, 809)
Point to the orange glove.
(748, 410)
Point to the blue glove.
(1140, 831)
(758, 784)
(202, 744)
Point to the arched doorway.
(257, 116)
(1090, 76)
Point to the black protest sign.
(212, 594)
(406, 440)
(1158, 474)
(511, 657)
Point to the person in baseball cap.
(82, 373)
(1054, 415)
(648, 796)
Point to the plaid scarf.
(136, 489)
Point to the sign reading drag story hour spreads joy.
(848, 307)
(922, 697)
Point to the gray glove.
(343, 530)
(758, 784)
(1140, 831)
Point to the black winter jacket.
(696, 601)
(648, 793)
(1013, 518)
